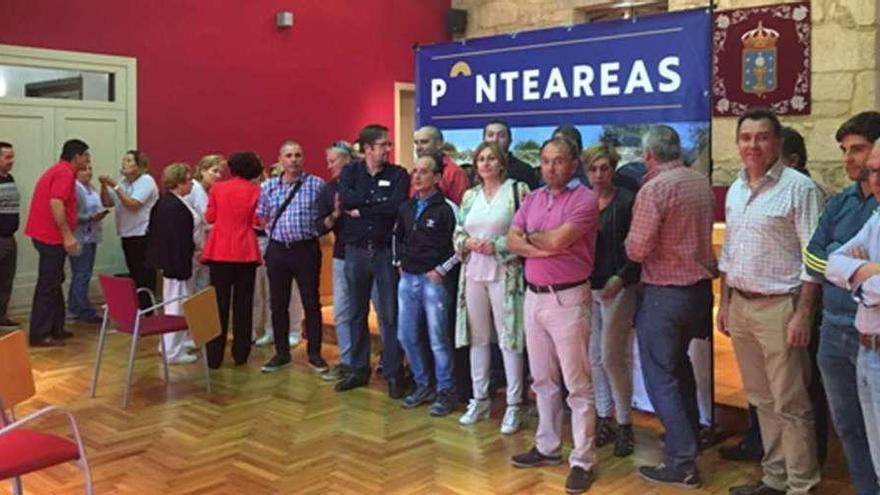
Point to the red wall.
(219, 76)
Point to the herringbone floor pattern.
(289, 432)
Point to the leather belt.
(291, 244)
(758, 295)
(544, 289)
(870, 341)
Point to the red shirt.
(58, 182)
(453, 183)
(232, 208)
(671, 231)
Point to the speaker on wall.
(456, 21)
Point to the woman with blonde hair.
(175, 234)
(491, 286)
(613, 282)
(208, 171)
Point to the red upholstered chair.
(121, 298)
(23, 450)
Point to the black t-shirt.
(9, 206)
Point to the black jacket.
(377, 198)
(170, 244)
(614, 222)
(522, 171)
(424, 244)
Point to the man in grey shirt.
(9, 206)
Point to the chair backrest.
(202, 315)
(16, 378)
(120, 294)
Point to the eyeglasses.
(383, 143)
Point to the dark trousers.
(300, 261)
(7, 271)
(362, 267)
(47, 310)
(666, 321)
(234, 282)
(135, 251)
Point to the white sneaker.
(476, 411)
(294, 338)
(183, 359)
(511, 422)
(266, 339)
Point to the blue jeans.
(869, 397)
(342, 311)
(417, 294)
(81, 267)
(363, 268)
(666, 321)
(837, 359)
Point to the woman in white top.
(491, 287)
(208, 171)
(90, 213)
(133, 195)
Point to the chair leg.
(207, 369)
(87, 476)
(134, 340)
(16, 486)
(164, 357)
(100, 352)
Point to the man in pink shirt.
(555, 231)
(50, 224)
(671, 236)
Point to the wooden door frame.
(399, 89)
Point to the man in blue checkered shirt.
(288, 208)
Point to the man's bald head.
(428, 140)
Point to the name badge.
(384, 183)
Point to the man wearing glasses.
(371, 192)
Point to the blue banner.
(651, 69)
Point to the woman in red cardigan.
(232, 254)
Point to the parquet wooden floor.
(289, 432)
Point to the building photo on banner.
(610, 80)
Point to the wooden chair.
(121, 298)
(203, 319)
(23, 450)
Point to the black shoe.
(64, 334)
(758, 488)
(578, 480)
(6, 322)
(318, 364)
(336, 373)
(48, 342)
(739, 452)
(421, 395)
(444, 404)
(668, 476)
(533, 458)
(606, 431)
(353, 380)
(91, 320)
(276, 363)
(397, 387)
(624, 444)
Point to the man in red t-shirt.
(50, 224)
(454, 181)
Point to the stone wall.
(844, 57)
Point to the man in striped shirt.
(9, 206)
(766, 308)
(671, 236)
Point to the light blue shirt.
(133, 223)
(842, 266)
(88, 202)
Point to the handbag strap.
(285, 204)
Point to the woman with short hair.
(175, 234)
(613, 283)
(491, 284)
(133, 196)
(90, 214)
(232, 254)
